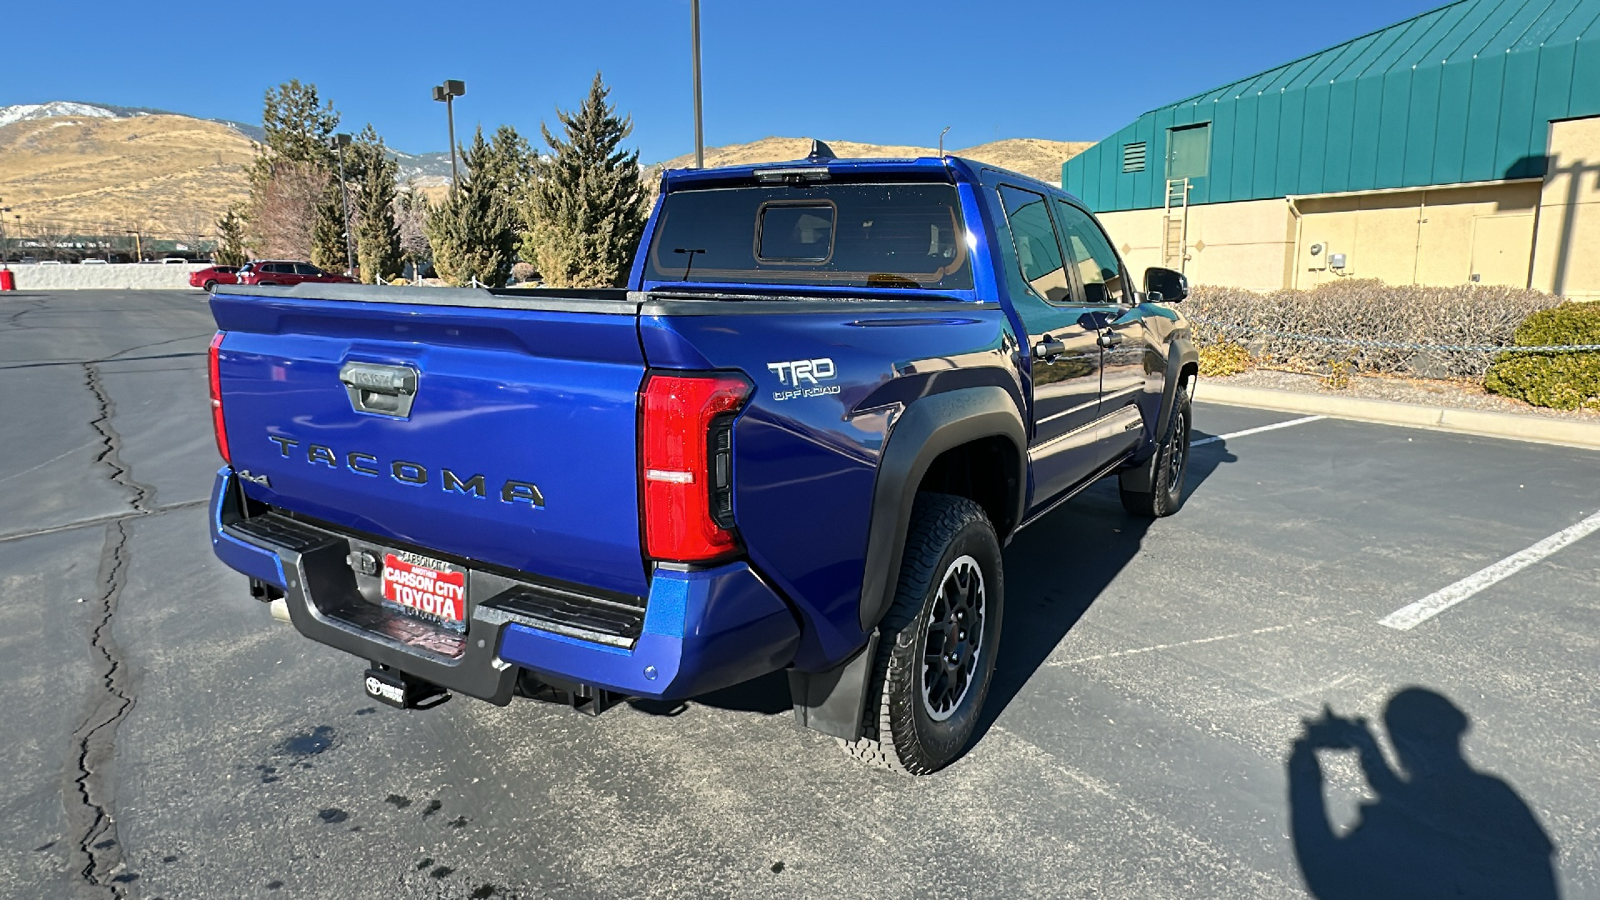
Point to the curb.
(1537, 429)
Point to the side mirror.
(1170, 286)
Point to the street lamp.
(446, 94)
(341, 141)
(699, 134)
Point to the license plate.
(428, 589)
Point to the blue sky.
(881, 71)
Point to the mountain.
(58, 108)
(83, 167)
(25, 111)
(101, 172)
(1033, 157)
(70, 166)
(425, 169)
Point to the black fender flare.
(1181, 354)
(834, 701)
(927, 428)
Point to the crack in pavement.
(15, 319)
(187, 337)
(97, 849)
(89, 806)
(112, 441)
(101, 520)
(39, 364)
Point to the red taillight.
(216, 398)
(685, 465)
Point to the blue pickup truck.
(831, 392)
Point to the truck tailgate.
(501, 435)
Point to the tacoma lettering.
(409, 472)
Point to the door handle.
(379, 389)
(1048, 349)
(1109, 339)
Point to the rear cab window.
(899, 235)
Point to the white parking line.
(1190, 643)
(1274, 427)
(1409, 617)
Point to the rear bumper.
(700, 630)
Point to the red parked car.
(210, 278)
(277, 271)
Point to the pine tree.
(230, 240)
(377, 234)
(298, 125)
(474, 232)
(289, 177)
(587, 205)
(328, 249)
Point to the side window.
(1038, 253)
(304, 269)
(1098, 268)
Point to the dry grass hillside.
(1033, 157)
(168, 176)
(172, 176)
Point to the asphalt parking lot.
(1147, 736)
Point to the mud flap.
(834, 701)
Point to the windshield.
(837, 235)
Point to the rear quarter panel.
(806, 456)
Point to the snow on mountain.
(423, 167)
(24, 111)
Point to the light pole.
(446, 93)
(5, 244)
(699, 133)
(341, 141)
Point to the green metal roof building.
(1460, 94)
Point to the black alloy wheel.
(938, 642)
(955, 639)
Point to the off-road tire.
(899, 732)
(1167, 467)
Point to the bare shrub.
(1313, 330)
(283, 210)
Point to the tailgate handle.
(379, 389)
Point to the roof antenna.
(820, 151)
(941, 141)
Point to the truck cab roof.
(948, 169)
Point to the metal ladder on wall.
(1175, 226)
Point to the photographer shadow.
(1437, 827)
